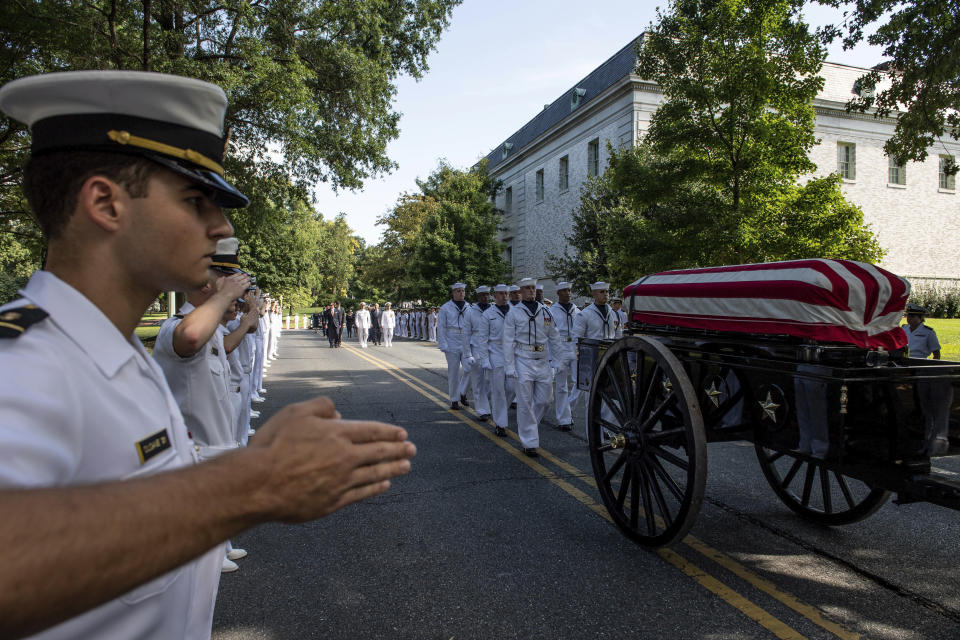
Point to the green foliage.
(444, 234)
(715, 179)
(920, 39)
(310, 87)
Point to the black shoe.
(564, 427)
(500, 431)
(455, 405)
(463, 401)
(513, 405)
(531, 453)
(484, 417)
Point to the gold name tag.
(539, 347)
(153, 445)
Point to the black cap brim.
(224, 194)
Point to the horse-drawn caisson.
(806, 359)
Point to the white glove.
(510, 372)
(470, 360)
(486, 365)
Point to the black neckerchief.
(459, 303)
(514, 303)
(568, 309)
(503, 309)
(531, 318)
(461, 307)
(603, 316)
(483, 306)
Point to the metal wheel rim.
(660, 463)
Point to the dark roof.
(619, 65)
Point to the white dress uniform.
(361, 320)
(234, 383)
(200, 384)
(597, 324)
(81, 404)
(565, 384)
(529, 338)
(259, 340)
(432, 321)
(388, 323)
(490, 351)
(245, 353)
(453, 338)
(479, 377)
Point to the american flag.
(825, 300)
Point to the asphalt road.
(479, 541)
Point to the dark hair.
(51, 181)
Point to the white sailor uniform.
(479, 377)
(200, 385)
(529, 338)
(565, 383)
(490, 351)
(453, 338)
(81, 404)
(597, 324)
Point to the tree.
(920, 83)
(714, 180)
(310, 83)
(446, 233)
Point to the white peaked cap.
(228, 245)
(528, 282)
(174, 121)
(457, 285)
(564, 285)
(483, 289)
(502, 288)
(599, 286)
(513, 287)
(539, 287)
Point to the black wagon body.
(837, 428)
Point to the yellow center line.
(729, 595)
(806, 610)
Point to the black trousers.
(333, 334)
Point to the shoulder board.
(14, 322)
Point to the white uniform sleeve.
(40, 436)
(441, 335)
(483, 337)
(509, 332)
(579, 325)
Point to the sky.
(494, 68)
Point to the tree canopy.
(919, 85)
(715, 179)
(310, 83)
(444, 234)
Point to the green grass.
(948, 332)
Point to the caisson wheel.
(816, 492)
(647, 441)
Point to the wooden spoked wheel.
(647, 441)
(815, 491)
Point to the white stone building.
(912, 210)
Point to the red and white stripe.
(826, 300)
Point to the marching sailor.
(453, 339)
(479, 377)
(565, 388)
(514, 292)
(598, 321)
(529, 339)
(490, 350)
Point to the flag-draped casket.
(824, 300)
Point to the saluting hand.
(232, 286)
(318, 463)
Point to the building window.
(947, 180)
(593, 157)
(847, 160)
(540, 185)
(897, 173)
(564, 173)
(508, 201)
(508, 256)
